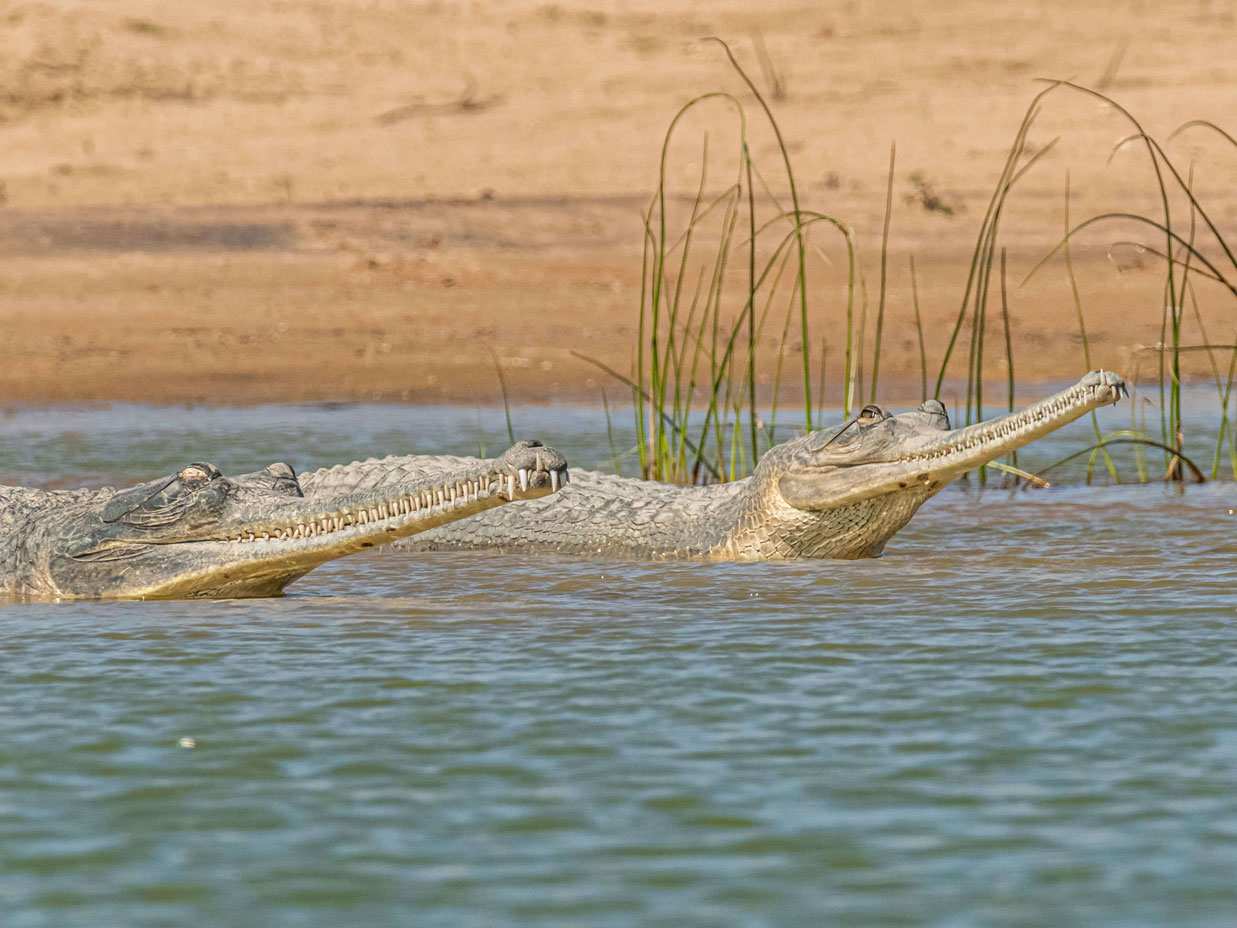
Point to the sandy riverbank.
(267, 202)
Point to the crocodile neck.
(766, 527)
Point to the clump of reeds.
(695, 378)
(695, 373)
(1183, 261)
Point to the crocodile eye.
(870, 414)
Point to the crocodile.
(199, 533)
(836, 493)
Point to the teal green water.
(1025, 714)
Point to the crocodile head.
(198, 533)
(844, 492)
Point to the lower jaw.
(263, 567)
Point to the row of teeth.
(1034, 418)
(464, 491)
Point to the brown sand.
(266, 201)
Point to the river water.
(1024, 714)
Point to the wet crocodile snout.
(534, 470)
(1109, 386)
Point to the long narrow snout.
(940, 458)
(363, 518)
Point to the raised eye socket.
(160, 502)
(870, 414)
(197, 473)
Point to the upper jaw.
(960, 450)
(940, 457)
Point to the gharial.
(198, 533)
(837, 493)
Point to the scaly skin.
(840, 493)
(198, 533)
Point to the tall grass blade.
(751, 304)
(1082, 334)
(616, 460)
(1004, 182)
(502, 386)
(1009, 349)
(923, 354)
(880, 310)
(799, 241)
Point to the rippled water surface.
(1025, 714)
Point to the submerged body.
(198, 533)
(840, 493)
